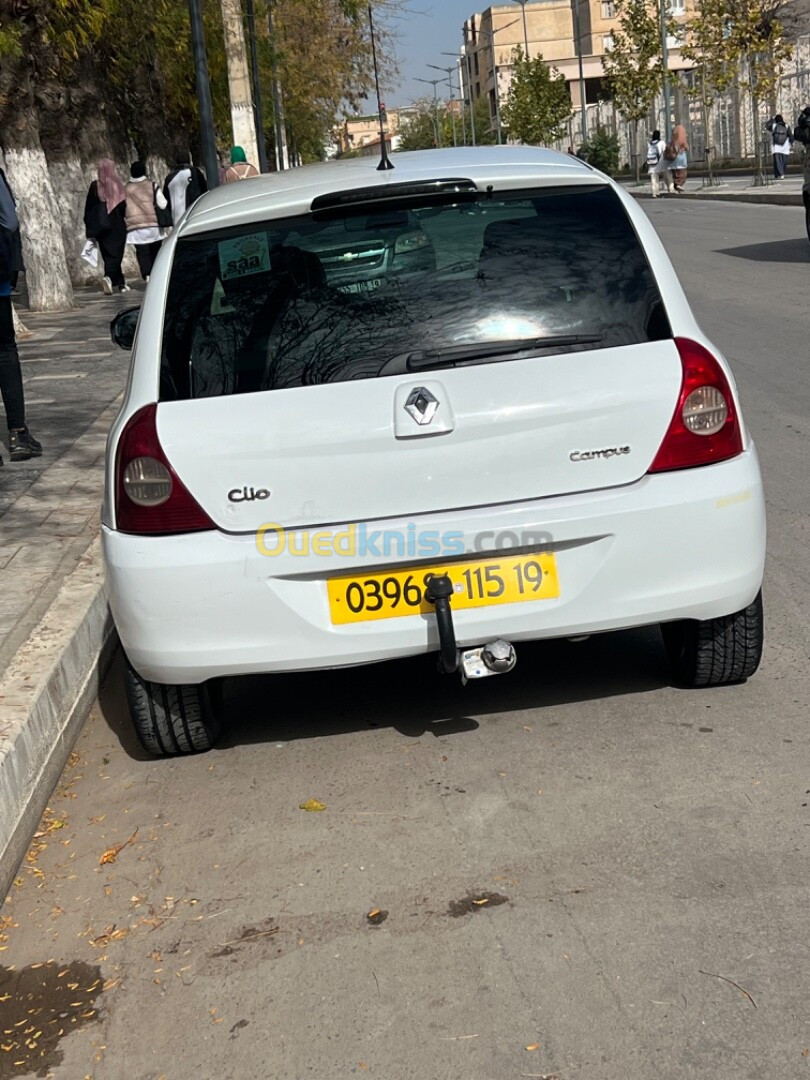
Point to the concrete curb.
(767, 198)
(44, 696)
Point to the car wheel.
(173, 719)
(716, 652)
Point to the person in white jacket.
(657, 165)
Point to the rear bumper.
(676, 545)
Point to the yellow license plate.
(392, 594)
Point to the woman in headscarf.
(678, 165)
(105, 223)
(240, 169)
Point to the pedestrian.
(781, 145)
(16, 241)
(144, 200)
(184, 185)
(104, 222)
(240, 168)
(657, 164)
(678, 164)
(801, 133)
(22, 444)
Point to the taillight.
(705, 427)
(150, 498)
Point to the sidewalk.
(54, 625)
(787, 192)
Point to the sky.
(425, 30)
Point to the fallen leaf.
(312, 805)
(374, 911)
(533, 1046)
(111, 854)
(480, 903)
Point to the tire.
(172, 719)
(717, 652)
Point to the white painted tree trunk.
(71, 181)
(242, 115)
(46, 270)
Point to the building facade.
(357, 132)
(491, 37)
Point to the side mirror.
(123, 327)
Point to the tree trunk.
(755, 127)
(242, 116)
(71, 181)
(46, 270)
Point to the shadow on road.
(774, 251)
(409, 695)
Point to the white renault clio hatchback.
(446, 408)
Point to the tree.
(538, 105)
(633, 66)
(485, 132)
(732, 39)
(82, 79)
(705, 44)
(41, 46)
(418, 130)
(602, 151)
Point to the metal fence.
(733, 133)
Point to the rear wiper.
(486, 350)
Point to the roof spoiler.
(416, 190)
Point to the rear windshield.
(374, 292)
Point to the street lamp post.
(582, 97)
(449, 71)
(525, 31)
(257, 87)
(207, 139)
(279, 125)
(459, 61)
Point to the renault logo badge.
(421, 405)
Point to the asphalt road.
(580, 872)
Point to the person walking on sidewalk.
(240, 168)
(144, 199)
(781, 145)
(678, 164)
(104, 222)
(657, 164)
(22, 444)
(17, 256)
(184, 185)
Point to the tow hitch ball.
(494, 658)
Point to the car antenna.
(385, 162)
